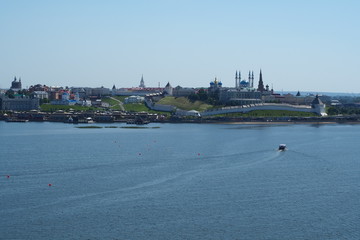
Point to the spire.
(261, 83)
(142, 84)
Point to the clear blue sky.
(306, 45)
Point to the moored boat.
(16, 120)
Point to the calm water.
(179, 181)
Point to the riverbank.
(144, 118)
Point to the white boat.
(89, 120)
(282, 147)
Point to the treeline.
(205, 96)
(11, 94)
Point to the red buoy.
(49, 184)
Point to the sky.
(305, 45)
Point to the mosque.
(244, 91)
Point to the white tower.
(168, 89)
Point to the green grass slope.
(184, 103)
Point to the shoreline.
(288, 123)
(145, 118)
(230, 122)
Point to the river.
(179, 181)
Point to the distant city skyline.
(298, 45)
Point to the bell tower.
(261, 83)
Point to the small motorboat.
(282, 147)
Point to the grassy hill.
(184, 103)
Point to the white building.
(41, 94)
(134, 99)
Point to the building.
(243, 93)
(80, 91)
(134, 99)
(261, 87)
(231, 96)
(136, 91)
(19, 103)
(242, 83)
(39, 87)
(319, 106)
(182, 92)
(215, 86)
(168, 90)
(100, 92)
(65, 100)
(40, 94)
(16, 85)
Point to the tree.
(203, 95)
(10, 93)
(193, 97)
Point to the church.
(16, 85)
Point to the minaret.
(239, 79)
(236, 79)
(252, 79)
(261, 83)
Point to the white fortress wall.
(159, 107)
(265, 106)
(163, 108)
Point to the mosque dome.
(243, 82)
